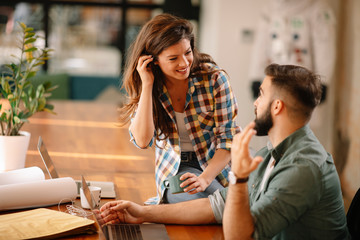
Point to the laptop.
(107, 188)
(124, 231)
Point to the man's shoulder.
(304, 147)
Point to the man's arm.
(193, 212)
(238, 222)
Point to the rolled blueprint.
(22, 175)
(37, 193)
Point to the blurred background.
(90, 40)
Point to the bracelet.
(234, 180)
(242, 180)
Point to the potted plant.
(20, 99)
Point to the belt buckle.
(185, 157)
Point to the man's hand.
(122, 212)
(242, 164)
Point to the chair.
(353, 216)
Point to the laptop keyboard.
(123, 231)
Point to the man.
(293, 191)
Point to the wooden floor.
(84, 138)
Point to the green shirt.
(302, 197)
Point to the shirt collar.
(279, 151)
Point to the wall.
(347, 117)
(222, 24)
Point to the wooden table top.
(84, 138)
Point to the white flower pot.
(13, 151)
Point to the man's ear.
(277, 106)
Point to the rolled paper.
(22, 175)
(37, 193)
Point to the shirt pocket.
(206, 120)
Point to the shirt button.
(253, 186)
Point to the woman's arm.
(142, 127)
(201, 182)
(225, 112)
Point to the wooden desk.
(84, 139)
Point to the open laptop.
(124, 231)
(107, 188)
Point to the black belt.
(188, 157)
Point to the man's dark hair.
(300, 83)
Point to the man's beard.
(265, 123)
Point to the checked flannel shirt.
(210, 109)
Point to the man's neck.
(279, 132)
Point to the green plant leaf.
(49, 107)
(23, 26)
(30, 40)
(49, 111)
(31, 74)
(28, 29)
(40, 91)
(39, 63)
(32, 49)
(29, 35)
(6, 88)
(33, 107)
(47, 85)
(23, 99)
(41, 104)
(17, 119)
(25, 116)
(3, 116)
(52, 88)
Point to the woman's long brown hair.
(161, 32)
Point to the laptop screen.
(50, 167)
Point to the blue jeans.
(182, 197)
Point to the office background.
(90, 39)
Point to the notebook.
(107, 188)
(124, 231)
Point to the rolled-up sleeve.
(217, 202)
(225, 111)
(132, 139)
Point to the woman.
(182, 100)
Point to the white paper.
(22, 175)
(37, 193)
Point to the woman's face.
(175, 61)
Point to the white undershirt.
(268, 170)
(185, 142)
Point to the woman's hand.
(193, 183)
(122, 212)
(144, 69)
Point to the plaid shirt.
(210, 110)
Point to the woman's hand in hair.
(145, 70)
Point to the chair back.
(353, 216)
